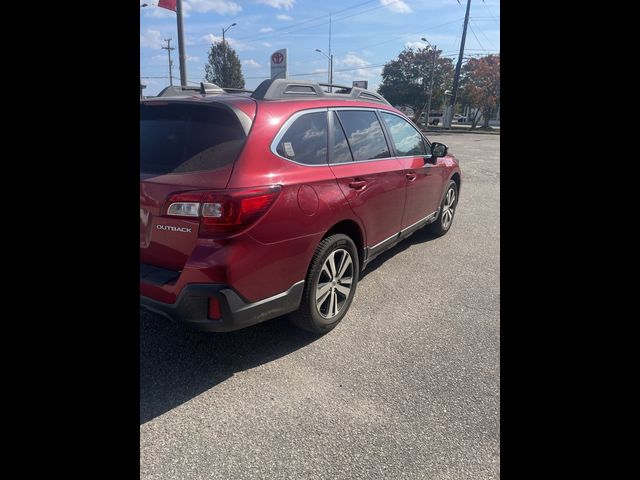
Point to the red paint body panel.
(376, 192)
(274, 253)
(424, 188)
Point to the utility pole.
(182, 58)
(449, 113)
(168, 48)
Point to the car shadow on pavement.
(177, 363)
(421, 236)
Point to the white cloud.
(222, 7)
(151, 39)
(266, 44)
(351, 60)
(193, 58)
(279, 4)
(157, 12)
(397, 6)
(251, 63)
(415, 45)
(241, 47)
(357, 68)
(266, 30)
(284, 18)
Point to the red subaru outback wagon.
(255, 205)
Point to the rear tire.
(448, 209)
(330, 285)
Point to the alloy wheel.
(334, 283)
(448, 208)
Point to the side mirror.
(438, 150)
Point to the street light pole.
(433, 74)
(330, 58)
(224, 54)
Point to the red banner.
(168, 4)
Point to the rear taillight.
(222, 212)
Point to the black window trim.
(332, 119)
(384, 134)
(390, 146)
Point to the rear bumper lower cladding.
(192, 307)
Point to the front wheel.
(330, 285)
(447, 211)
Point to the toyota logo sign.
(277, 58)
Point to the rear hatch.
(185, 146)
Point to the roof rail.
(188, 90)
(281, 89)
(333, 85)
(204, 89)
(236, 90)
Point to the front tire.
(330, 285)
(447, 210)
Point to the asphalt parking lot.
(407, 386)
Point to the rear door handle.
(411, 176)
(358, 184)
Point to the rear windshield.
(181, 138)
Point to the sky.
(364, 35)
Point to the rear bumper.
(192, 307)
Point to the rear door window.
(364, 134)
(305, 141)
(182, 138)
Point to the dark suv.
(255, 205)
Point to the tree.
(480, 86)
(406, 80)
(224, 68)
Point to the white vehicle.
(434, 118)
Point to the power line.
(260, 36)
(483, 34)
(291, 29)
(476, 37)
(402, 35)
(490, 13)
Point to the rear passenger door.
(372, 180)
(424, 179)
